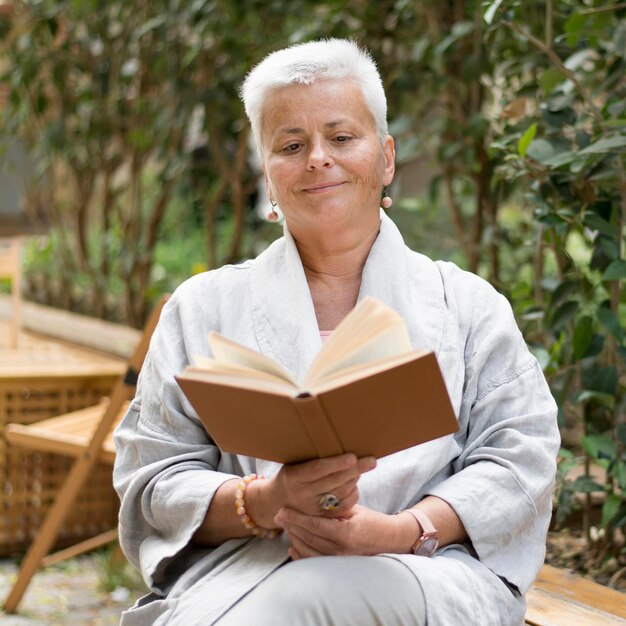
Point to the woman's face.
(323, 159)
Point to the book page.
(232, 354)
(240, 378)
(371, 331)
(362, 370)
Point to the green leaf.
(619, 40)
(563, 290)
(599, 446)
(491, 12)
(599, 397)
(525, 139)
(615, 271)
(562, 158)
(610, 508)
(574, 27)
(620, 473)
(608, 246)
(603, 379)
(595, 222)
(608, 144)
(563, 314)
(540, 150)
(549, 79)
(542, 356)
(586, 485)
(582, 336)
(611, 322)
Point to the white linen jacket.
(497, 471)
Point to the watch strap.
(428, 528)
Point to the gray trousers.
(333, 591)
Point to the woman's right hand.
(300, 486)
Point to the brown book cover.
(375, 411)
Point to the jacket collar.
(282, 309)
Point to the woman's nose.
(319, 156)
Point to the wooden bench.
(559, 598)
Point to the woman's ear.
(389, 150)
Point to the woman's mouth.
(323, 187)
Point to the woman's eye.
(292, 147)
(343, 138)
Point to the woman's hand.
(300, 486)
(362, 532)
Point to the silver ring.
(329, 502)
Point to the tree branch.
(613, 7)
(558, 63)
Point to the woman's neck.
(333, 273)
(333, 257)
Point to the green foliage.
(115, 572)
(569, 154)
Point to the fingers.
(364, 531)
(317, 469)
(303, 484)
(345, 479)
(309, 535)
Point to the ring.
(329, 502)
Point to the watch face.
(427, 547)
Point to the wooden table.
(40, 379)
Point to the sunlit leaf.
(526, 138)
(491, 11)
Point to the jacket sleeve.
(502, 482)
(166, 468)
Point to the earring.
(386, 201)
(272, 216)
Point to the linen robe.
(497, 471)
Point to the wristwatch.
(428, 542)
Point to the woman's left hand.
(363, 532)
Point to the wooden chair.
(11, 267)
(86, 435)
(559, 598)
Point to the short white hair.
(303, 64)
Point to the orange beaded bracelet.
(240, 507)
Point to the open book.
(366, 392)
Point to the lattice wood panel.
(29, 481)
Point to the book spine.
(317, 425)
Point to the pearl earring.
(272, 216)
(386, 201)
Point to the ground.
(567, 549)
(67, 594)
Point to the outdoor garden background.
(510, 127)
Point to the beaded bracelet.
(246, 520)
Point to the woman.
(449, 532)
